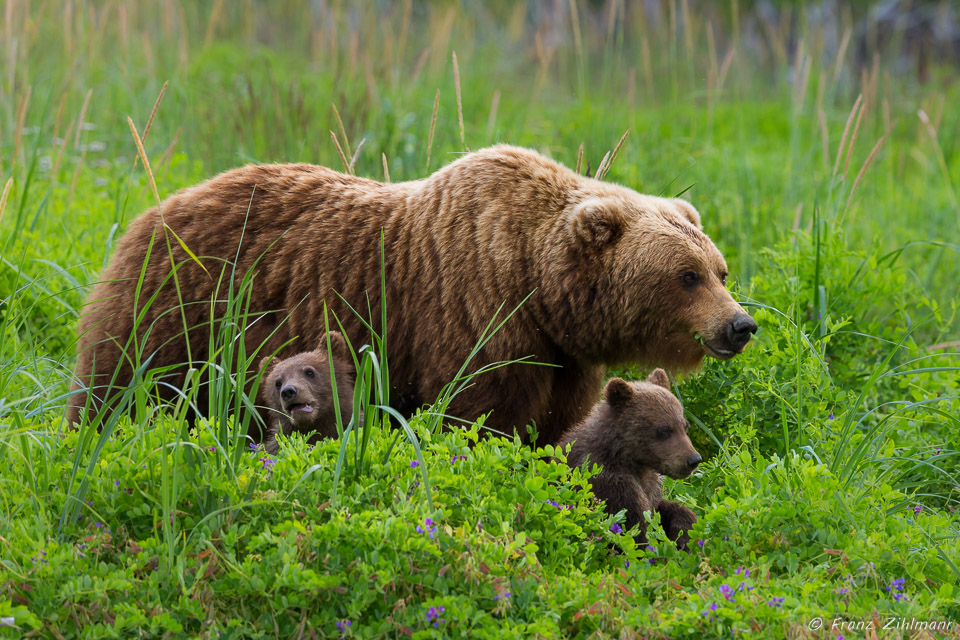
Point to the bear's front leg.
(676, 520)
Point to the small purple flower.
(775, 602)
(267, 463)
(626, 564)
(433, 615)
(831, 416)
(116, 483)
(98, 524)
(414, 464)
(253, 446)
(843, 591)
(616, 528)
(917, 509)
(212, 448)
(740, 570)
(430, 528)
(713, 607)
(727, 592)
(343, 625)
(700, 543)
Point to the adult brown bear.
(616, 277)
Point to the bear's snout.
(740, 329)
(694, 460)
(288, 392)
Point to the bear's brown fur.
(298, 393)
(616, 276)
(638, 435)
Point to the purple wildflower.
(212, 448)
(727, 592)
(713, 607)
(917, 509)
(414, 464)
(343, 625)
(430, 528)
(700, 543)
(831, 416)
(775, 602)
(253, 446)
(433, 615)
(267, 463)
(740, 570)
(116, 483)
(616, 528)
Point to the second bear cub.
(638, 435)
(298, 392)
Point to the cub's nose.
(288, 392)
(740, 329)
(694, 460)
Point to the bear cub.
(298, 393)
(638, 435)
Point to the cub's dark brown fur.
(298, 392)
(637, 434)
(616, 276)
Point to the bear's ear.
(688, 211)
(264, 362)
(660, 378)
(597, 222)
(338, 345)
(617, 391)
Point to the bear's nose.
(694, 460)
(740, 329)
(288, 392)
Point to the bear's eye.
(723, 278)
(690, 278)
(664, 432)
(309, 372)
(278, 384)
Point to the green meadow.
(822, 153)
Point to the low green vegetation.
(830, 490)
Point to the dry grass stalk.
(863, 169)
(418, 67)
(613, 156)
(343, 132)
(853, 139)
(577, 38)
(153, 112)
(602, 167)
(456, 83)
(6, 195)
(433, 123)
(356, 154)
(492, 120)
(579, 158)
(846, 131)
(841, 52)
(386, 171)
(343, 158)
(212, 22)
(83, 113)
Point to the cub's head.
(299, 389)
(647, 283)
(649, 424)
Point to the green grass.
(831, 443)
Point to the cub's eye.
(723, 278)
(278, 384)
(690, 278)
(664, 432)
(309, 372)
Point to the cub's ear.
(660, 378)
(338, 345)
(617, 391)
(597, 222)
(688, 211)
(264, 363)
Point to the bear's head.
(651, 430)
(299, 389)
(641, 280)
